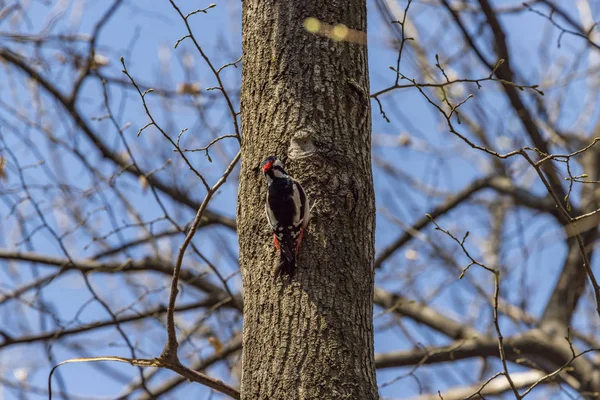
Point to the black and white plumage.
(288, 213)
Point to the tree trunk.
(305, 97)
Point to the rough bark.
(305, 98)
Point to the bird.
(288, 213)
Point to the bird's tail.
(287, 262)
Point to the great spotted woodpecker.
(288, 213)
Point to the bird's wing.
(303, 209)
(270, 217)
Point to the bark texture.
(305, 98)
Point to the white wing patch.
(304, 207)
(298, 204)
(306, 216)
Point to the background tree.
(104, 174)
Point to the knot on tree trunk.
(302, 144)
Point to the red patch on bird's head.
(267, 166)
